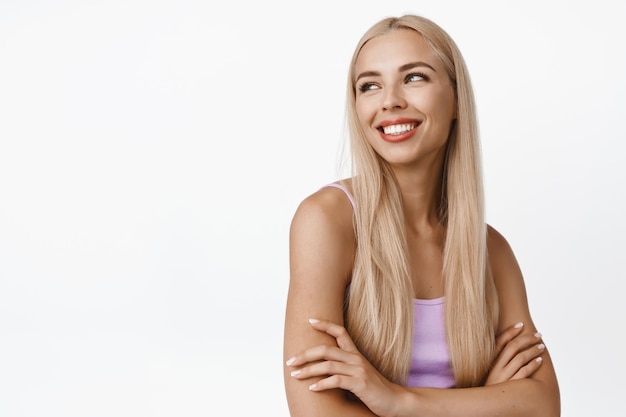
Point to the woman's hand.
(517, 355)
(343, 366)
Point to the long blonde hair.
(379, 307)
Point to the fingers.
(508, 335)
(345, 352)
(333, 381)
(320, 353)
(525, 356)
(344, 341)
(325, 368)
(519, 357)
(338, 365)
(336, 375)
(528, 369)
(515, 346)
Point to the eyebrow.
(403, 68)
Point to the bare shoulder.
(322, 238)
(513, 302)
(322, 247)
(328, 199)
(501, 255)
(327, 213)
(509, 281)
(505, 269)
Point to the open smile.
(398, 132)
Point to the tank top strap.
(344, 189)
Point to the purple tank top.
(430, 360)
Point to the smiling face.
(405, 103)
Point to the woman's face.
(405, 103)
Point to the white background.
(152, 154)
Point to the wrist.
(407, 404)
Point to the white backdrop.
(152, 154)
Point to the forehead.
(394, 49)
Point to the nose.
(393, 99)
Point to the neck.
(421, 194)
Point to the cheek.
(448, 103)
(442, 106)
(364, 112)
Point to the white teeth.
(398, 129)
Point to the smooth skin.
(322, 363)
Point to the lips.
(398, 130)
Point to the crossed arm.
(323, 363)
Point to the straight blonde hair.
(379, 305)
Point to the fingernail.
(539, 359)
(518, 325)
(312, 387)
(313, 321)
(538, 335)
(541, 346)
(290, 361)
(294, 373)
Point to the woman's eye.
(415, 77)
(367, 87)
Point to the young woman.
(399, 291)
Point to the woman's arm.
(534, 392)
(536, 396)
(516, 355)
(344, 367)
(321, 251)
